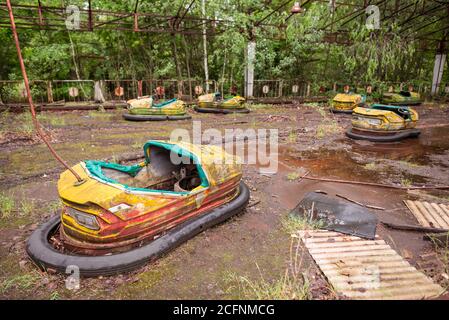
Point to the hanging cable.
(30, 99)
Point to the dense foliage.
(292, 48)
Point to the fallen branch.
(359, 203)
(253, 204)
(303, 176)
(410, 227)
(375, 184)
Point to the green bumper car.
(402, 98)
(216, 103)
(144, 109)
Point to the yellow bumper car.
(121, 217)
(346, 102)
(215, 103)
(145, 109)
(383, 123)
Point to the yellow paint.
(344, 101)
(95, 197)
(146, 103)
(390, 121)
(208, 100)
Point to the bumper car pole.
(30, 99)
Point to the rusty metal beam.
(119, 21)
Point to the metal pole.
(206, 68)
(30, 99)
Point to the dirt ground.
(241, 257)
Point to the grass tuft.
(292, 285)
(292, 176)
(292, 224)
(7, 205)
(370, 166)
(26, 207)
(326, 128)
(20, 282)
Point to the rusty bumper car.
(383, 123)
(145, 109)
(215, 103)
(346, 102)
(121, 217)
(402, 98)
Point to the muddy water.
(431, 141)
(346, 160)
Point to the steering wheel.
(405, 112)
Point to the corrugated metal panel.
(366, 269)
(429, 214)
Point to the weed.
(292, 136)
(26, 207)
(97, 114)
(293, 284)
(441, 245)
(6, 205)
(258, 106)
(370, 166)
(53, 120)
(406, 182)
(21, 282)
(326, 128)
(55, 295)
(137, 145)
(26, 126)
(54, 206)
(292, 176)
(292, 224)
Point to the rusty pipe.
(30, 98)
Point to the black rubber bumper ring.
(45, 256)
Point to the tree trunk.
(187, 56)
(206, 69)
(72, 46)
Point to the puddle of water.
(349, 165)
(431, 141)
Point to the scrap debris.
(337, 215)
(359, 203)
(430, 215)
(366, 269)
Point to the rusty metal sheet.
(366, 269)
(432, 215)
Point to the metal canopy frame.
(41, 17)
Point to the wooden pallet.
(366, 269)
(431, 215)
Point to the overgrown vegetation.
(292, 224)
(293, 284)
(20, 282)
(297, 48)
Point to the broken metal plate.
(337, 215)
